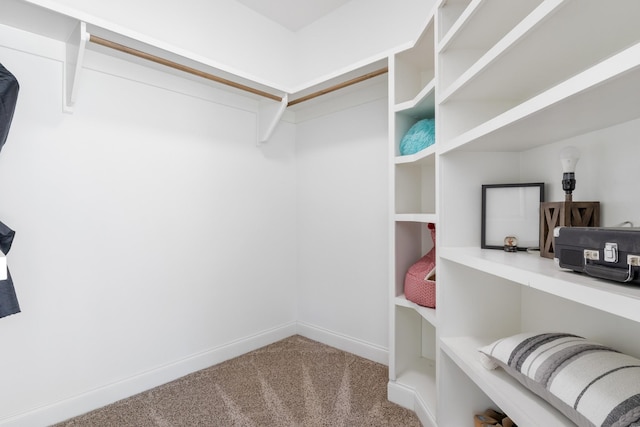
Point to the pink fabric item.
(418, 285)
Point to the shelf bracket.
(76, 45)
(269, 114)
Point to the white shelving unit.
(412, 366)
(516, 79)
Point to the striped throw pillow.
(593, 385)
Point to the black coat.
(8, 300)
(8, 97)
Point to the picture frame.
(511, 210)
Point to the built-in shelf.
(428, 314)
(514, 84)
(530, 269)
(449, 14)
(489, 78)
(594, 99)
(469, 40)
(422, 157)
(469, 31)
(417, 217)
(422, 106)
(523, 406)
(413, 344)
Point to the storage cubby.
(413, 380)
(414, 188)
(413, 240)
(414, 69)
(422, 108)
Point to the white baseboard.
(407, 398)
(346, 343)
(401, 395)
(93, 399)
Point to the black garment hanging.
(8, 97)
(8, 300)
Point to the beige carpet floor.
(294, 382)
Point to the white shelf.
(470, 30)
(542, 274)
(417, 217)
(449, 14)
(422, 157)
(498, 54)
(596, 98)
(523, 406)
(491, 77)
(422, 106)
(428, 314)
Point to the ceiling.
(293, 14)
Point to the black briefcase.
(605, 253)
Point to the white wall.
(342, 228)
(153, 236)
(607, 166)
(355, 33)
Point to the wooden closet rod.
(162, 61)
(186, 69)
(339, 86)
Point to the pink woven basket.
(419, 282)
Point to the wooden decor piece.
(565, 214)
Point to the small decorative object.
(420, 136)
(511, 210)
(510, 244)
(567, 213)
(420, 280)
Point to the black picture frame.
(511, 210)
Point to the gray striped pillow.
(591, 384)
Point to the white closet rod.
(162, 61)
(186, 69)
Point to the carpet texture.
(294, 382)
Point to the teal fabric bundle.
(420, 136)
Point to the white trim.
(101, 396)
(401, 395)
(408, 398)
(346, 343)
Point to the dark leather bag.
(604, 253)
